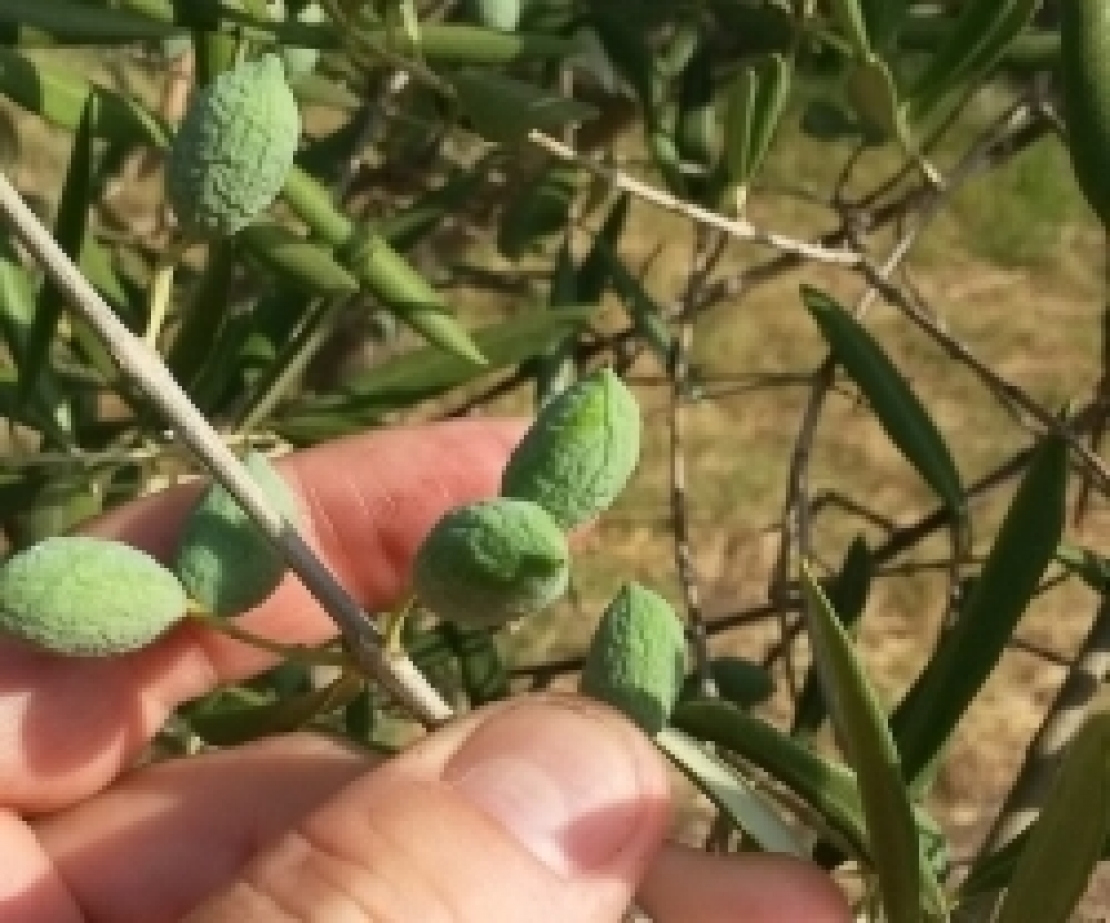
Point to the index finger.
(70, 725)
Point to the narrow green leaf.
(47, 409)
(1066, 843)
(407, 227)
(459, 44)
(848, 596)
(382, 271)
(593, 275)
(884, 19)
(555, 368)
(17, 302)
(627, 51)
(874, 95)
(739, 681)
(205, 310)
(1023, 548)
(97, 265)
(647, 316)
(399, 381)
(1091, 567)
(482, 670)
(58, 502)
(896, 407)
(829, 788)
(755, 103)
(869, 747)
(69, 231)
(317, 90)
(983, 30)
(295, 259)
(60, 96)
(502, 108)
(220, 380)
(440, 43)
(379, 269)
(849, 18)
(84, 23)
(538, 210)
(741, 801)
(698, 124)
(991, 873)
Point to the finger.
(69, 725)
(688, 885)
(535, 809)
(155, 844)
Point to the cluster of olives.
(483, 564)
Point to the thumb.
(538, 808)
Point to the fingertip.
(685, 884)
(541, 805)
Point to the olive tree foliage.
(458, 234)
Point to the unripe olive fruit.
(636, 660)
(234, 148)
(488, 562)
(86, 596)
(580, 451)
(223, 560)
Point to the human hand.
(539, 808)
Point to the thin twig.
(1006, 390)
(1024, 800)
(708, 249)
(743, 230)
(144, 370)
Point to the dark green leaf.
(738, 681)
(739, 799)
(983, 30)
(1023, 548)
(407, 227)
(203, 317)
(1054, 869)
(539, 209)
(502, 108)
(295, 259)
(755, 104)
(848, 596)
(382, 271)
(415, 376)
(84, 23)
(593, 275)
(896, 407)
(555, 368)
(869, 746)
(69, 231)
(234, 725)
(647, 316)
(60, 97)
(480, 665)
(829, 788)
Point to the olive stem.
(295, 652)
(395, 625)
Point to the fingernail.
(566, 783)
